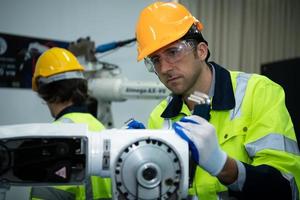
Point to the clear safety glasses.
(171, 55)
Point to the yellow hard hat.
(160, 24)
(55, 61)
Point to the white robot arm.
(143, 164)
(106, 82)
(120, 89)
(108, 85)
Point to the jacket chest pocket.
(232, 137)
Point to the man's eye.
(155, 60)
(172, 52)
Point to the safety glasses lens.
(171, 55)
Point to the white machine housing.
(142, 164)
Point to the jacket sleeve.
(263, 182)
(273, 171)
(38, 193)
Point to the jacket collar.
(72, 109)
(223, 98)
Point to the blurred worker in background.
(58, 79)
(247, 148)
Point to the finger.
(190, 126)
(188, 120)
(195, 119)
(184, 134)
(135, 125)
(198, 100)
(201, 95)
(181, 132)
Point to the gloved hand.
(203, 143)
(134, 124)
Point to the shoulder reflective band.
(61, 76)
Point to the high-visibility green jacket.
(96, 188)
(252, 125)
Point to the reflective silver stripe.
(65, 120)
(88, 189)
(241, 85)
(88, 183)
(273, 141)
(240, 181)
(294, 188)
(168, 122)
(61, 76)
(49, 193)
(192, 197)
(169, 99)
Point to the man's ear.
(202, 51)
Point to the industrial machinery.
(106, 82)
(143, 164)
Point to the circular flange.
(147, 169)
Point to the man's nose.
(165, 66)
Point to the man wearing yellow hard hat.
(246, 148)
(58, 79)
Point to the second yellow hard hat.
(54, 61)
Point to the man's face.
(177, 66)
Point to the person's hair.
(64, 90)
(194, 34)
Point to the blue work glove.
(133, 124)
(203, 143)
